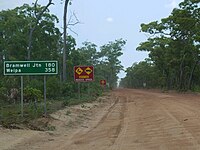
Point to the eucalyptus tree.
(37, 13)
(111, 65)
(66, 23)
(88, 54)
(65, 37)
(44, 43)
(12, 35)
(15, 33)
(173, 44)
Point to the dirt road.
(127, 120)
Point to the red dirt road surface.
(126, 120)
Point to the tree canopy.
(173, 47)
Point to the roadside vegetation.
(30, 33)
(174, 52)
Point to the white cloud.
(172, 4)
(109, 19)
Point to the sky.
(102, 21)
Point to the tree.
(12, 35)
(174, 46)
(109, 55)
(38, 13)
(88, 53)
(22, 22)
(44, 28)
(66, 25)
(65, 38)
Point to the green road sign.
(30, 67)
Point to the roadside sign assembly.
(21, 68)
(83, 73)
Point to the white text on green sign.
(30, 67)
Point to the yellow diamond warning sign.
(88, 70)
(83, 73)
(79, 70)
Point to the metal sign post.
(45, 97)
(103, 84)
(79, 91)
(89, 89)
(22, 97)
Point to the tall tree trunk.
(32, 28)
(167, 79)
(30, 43)
(191, 75)
(181, 73)
(65, 39)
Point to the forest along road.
(132, 120)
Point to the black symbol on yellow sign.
(88, 70)
(79, 71)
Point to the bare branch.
(71, 22)
(72, 31)
(70, 19)
(43, 10)
(75, 16)
(35, 6)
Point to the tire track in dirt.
(187, 116)
(119, 142)
(105, 130)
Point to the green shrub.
(196, 88)
(3, 93)
(37, 84)
(53, 87)
(68, 89)
(32, 94)
(10, 82)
